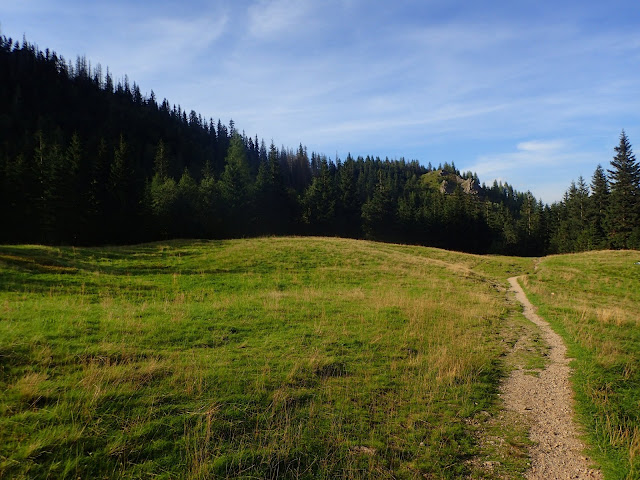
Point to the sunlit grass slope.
(274, 357)
(593, 300)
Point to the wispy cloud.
(546, 164)
(268, 18)
(541, 147)
(163, 44)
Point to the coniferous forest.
(86, 160)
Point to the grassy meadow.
(593, 300)
(263, 358)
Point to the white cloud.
(438, 119)
(269, 18)
(546, 167)
(533, 153)
(537, 146)
(157, 48)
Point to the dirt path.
(547, 403)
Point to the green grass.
(593, 300)
(264, 358)
(432, 180)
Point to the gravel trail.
(547, 403)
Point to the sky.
(531, 92)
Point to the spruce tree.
(598, 207)
(624, 208)
(160, 163)
(319, 203)
(119, 186)
(187, 206)
(163, 199)
(348, 209)
(72, 207)
(271, 210)
(378, 213)
(209, 205)
(581, 202)
(529, 225)
(98, 196)
(235, 187)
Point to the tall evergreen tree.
(598, 208)
(579, 214)
(208, 212)
(271, 209)
(320, 201)
(163, 199)
(570, 234)
(378, 213)
(348, 208)
(624, 208)
(73, 209)
(187, 205)
(530, 226)
(97, 192)
(121, 223)
(235, 187)
(161, 164)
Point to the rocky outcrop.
(451, 181)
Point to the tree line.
(86, 159)
(602, 214)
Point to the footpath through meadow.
(546, 402)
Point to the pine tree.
(300, 169)
(624, 208)
(21, 203)
(187, 206)
(348, 205)
(529, 225)
(97, 194)
(163, 199)
(598, 207)
(161, 164)
(235, 187)
(262, 209)
(52, 197)
(570, 234)
(378, 213)
(579, 215)
(119, 186)
(320, 201)
(209, 205)
(72, 208)
(410, 211)
(271, 210)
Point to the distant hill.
(87, 160)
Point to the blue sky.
(534, 93)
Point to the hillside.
(288, 357)
(87, 160)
